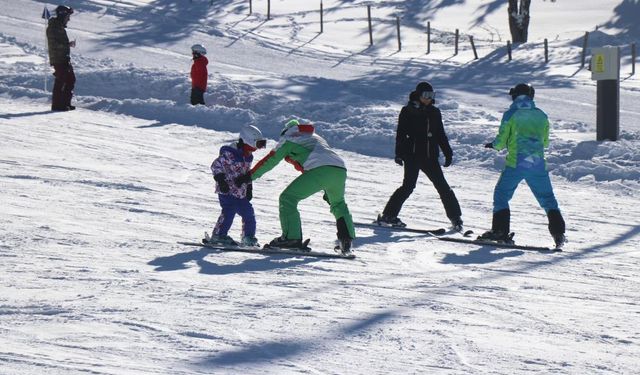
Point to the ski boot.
(386, 221)
(249, 241)
(285, 243)
(218, 239)
(560, 240)
(497, 236)
(456, 224)
(343, 246)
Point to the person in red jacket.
(199, 74)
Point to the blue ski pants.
(538, 181)
(230, 207)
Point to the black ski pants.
(433, 170)
(63, 86)
(197, 96)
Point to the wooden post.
(473, 46)
(457, 38)
(546, 50)
(634, 54)
(250, 6)
(428, 37)
(584, 48)
(509, 49)
(268, 10)
(321, 18)
(370, 31)
(398, 28)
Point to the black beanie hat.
(423, 86)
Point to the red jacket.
(199, 73)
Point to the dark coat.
(420, 135)
(59, 51)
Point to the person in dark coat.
(419, 139)
(60, 59)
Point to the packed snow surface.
(94, 201)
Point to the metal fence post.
(546, 50)
(370, 31)
(473, 46)
(428, 37)
(398, 28)
(321, 18)
(584, 48)
(457, 38)
(634, 54)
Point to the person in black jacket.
(420, 137)
(59, 58)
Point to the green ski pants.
(328, 178)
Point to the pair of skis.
(266, 249)
(440, 234)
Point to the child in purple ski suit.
(233, 185)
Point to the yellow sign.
(599, 63)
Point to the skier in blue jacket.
(524, 132)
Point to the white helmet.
(199, 48)
(252, 136)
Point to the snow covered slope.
(94, 201)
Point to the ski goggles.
(261, 143)
(428, 95)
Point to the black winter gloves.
(488, 145)
(249, 192)
(398, 160)
(447, 160)
(222, 183)
(242, 179)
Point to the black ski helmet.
(522, 89)
(423, 86)
(63, 11)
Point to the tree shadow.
(627, 14)
(163, 21)
(266, 263)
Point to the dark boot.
(387, 221)
(286, 243)
(556, 222)
(557, 227)
(501, 221)
(499, 228)
(343, 236)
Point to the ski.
(271, 250)
(436, 232)
(541, 249)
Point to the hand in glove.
(488, 145)
(249, 194)
(222, 183)
(242, 179)
(398, 160)
(448, 160)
